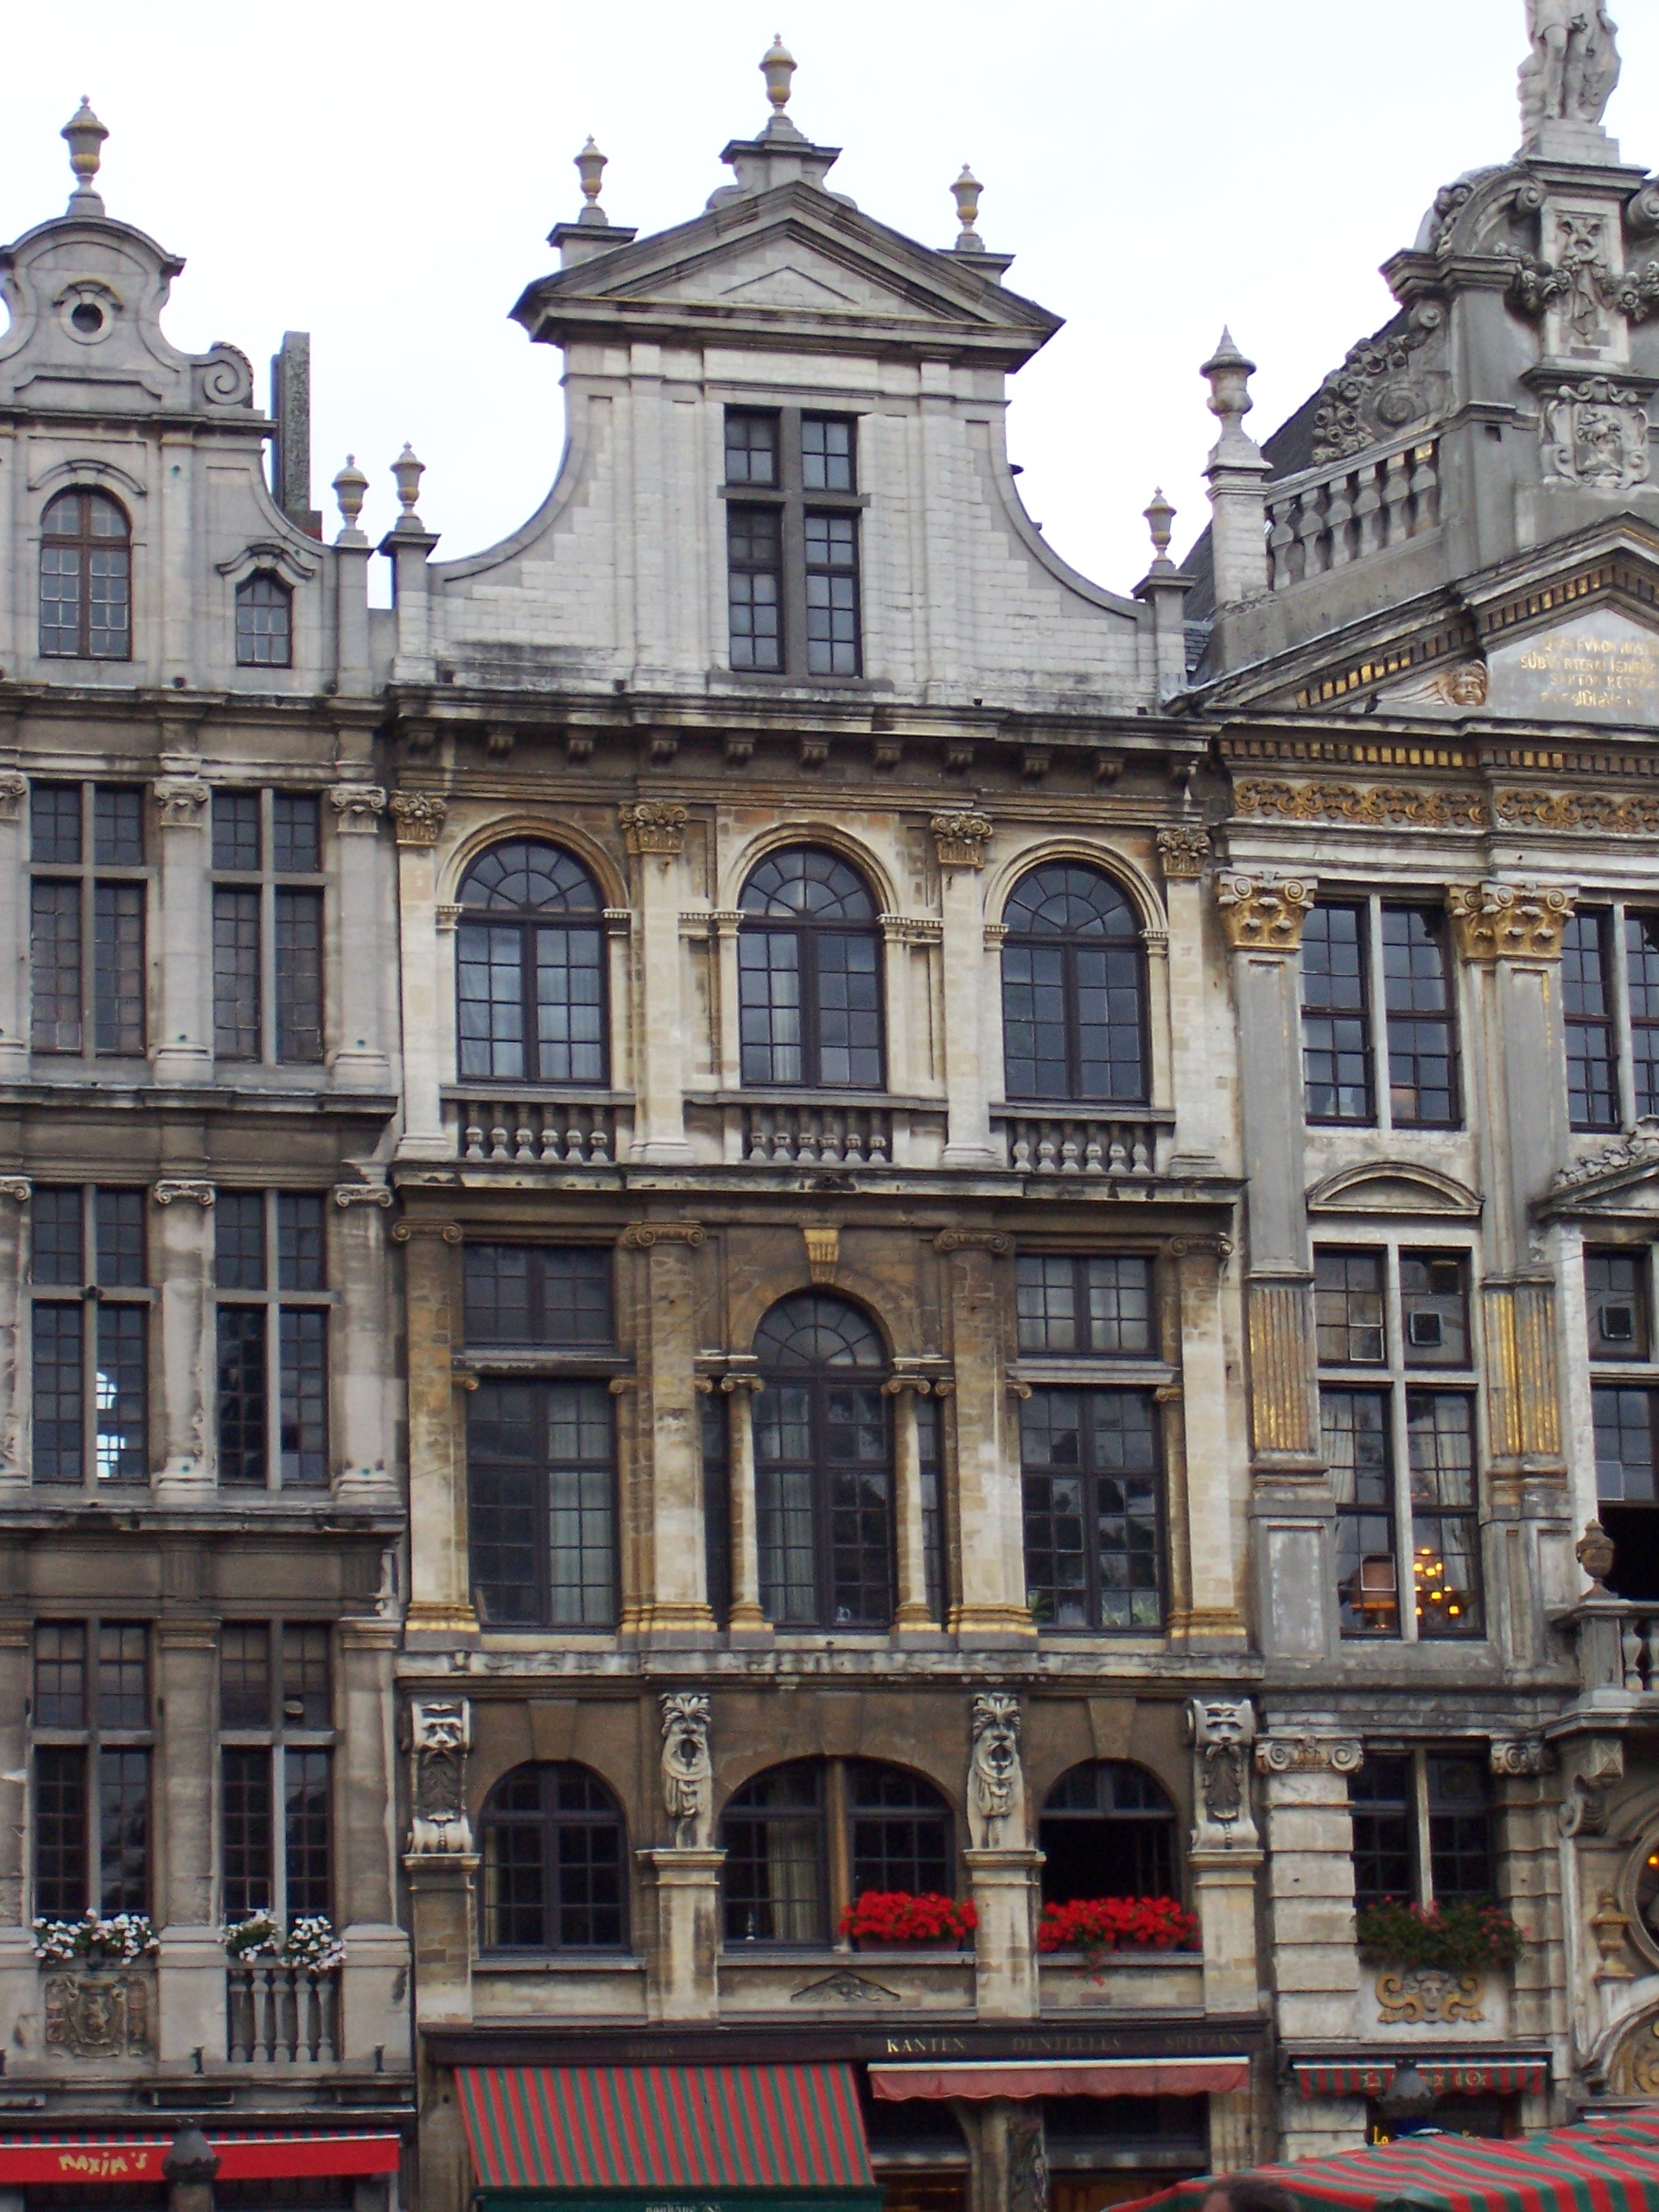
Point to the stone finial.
(85, 136)
(351, 488)
(965, 192)
(1568, 77)
(1161, 523)
(1230, 372)
(408, 472)
(777, 67)
(590, 168)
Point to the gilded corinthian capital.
(1264, 913)
(1508, 921)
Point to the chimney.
(291, 452)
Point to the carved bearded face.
(687, 1751)
(1222, 1725)
(440, 1733)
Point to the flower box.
(1455, 1938)
(893, 1920)
(310, 1945)
(1099, 1926)
(91, 1940)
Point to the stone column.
(685, 1877)
(183, 934)
(992, 1607)
(654, 833)
(912, 1610)
(184, 1320)
(1225, 1854)
(1007, 2156)
(16, 1653)
(1199, 1012)
(1002, 1867)
(961, 840)
(417, 819)
(440, 1596)
(1212, 1451)
(374, 2012)
(441, 1864)
(407, 545)
(191, 1980)
(14, 925)
(746, 1622)
(668, 1458)
(360, 1371)
(14, 1199)
(360, 1061)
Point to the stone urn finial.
(85, 136)
(1594, 1553)
(778, 66)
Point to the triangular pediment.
(789, 286)
(1618, 1177)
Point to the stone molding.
(1517, 1755)
(1379, 806)
(170, 1188)
(1264, 913)
(912, 929)
(652, 827)
(16, 1187)
(1637, 1148)
(418, 817)
(362, 1194)
(641, 1235)
(1183, 851)
(973, 1240)
(182, 802)
(961, 838)
(358, 808)
(402, 1231)
(1307, 1754)
(1508, 921)
(14, 790)
(1601, 812)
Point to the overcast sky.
(384, 176)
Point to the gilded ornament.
(1382, 806)
(652, 826)
(961, 838)
(1508, 921)
(418, 816)
(1636, 816)
(1264, 913)
(1183, 850)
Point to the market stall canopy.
(1061, 2077)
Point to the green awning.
(790, 2134)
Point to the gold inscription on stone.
(1607, 670)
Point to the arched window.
(808, 962)
(555, 1856)
(784, 1881)
(85, 579)
(823, 1466)
(1073, 991)
(1108, 1830)
(530, 963)
(264, 623)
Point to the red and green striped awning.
(707, 2128)
(1447, 2078)
(1597, 2167)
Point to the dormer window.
(792, 542)
(264, 622)
(85, 579)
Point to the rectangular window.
(1336, 1017)
(88, 959)
(1354, 957)
(1423, 1829)
(276, 1730)
(89, 1335)
(1587, 1005)
(1616, 1297)
(1072, 1304)
(91, 1722)
(1417, 988)
(268, 926)
(716, 1502)
(541, 1482)
(1642, 981)
(1093, 1478)
(1402, 1457)
(792, 542)
(557, 1296)
(273, 1338)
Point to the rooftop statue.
(1570, 74)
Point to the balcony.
(282, 2016)
(498, 1128)
(1132, 1145)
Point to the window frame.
(93, 1738)
(795, 503)
(1614, 917)
(1091, 1470)
(270, 886)
(277, 1303)
(1069, 943)
(85, 543)
(1400, 1379)
(1420, 1812)
(808, 933)
(549, 1822)
(281, 1735)
(1379, 1020)
(90, 1299)
(243, 596)
(1165, 1818)
(100, 990)
(523, 924)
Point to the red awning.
(1447, 2078)
(1062, 2077)
(122, 2158)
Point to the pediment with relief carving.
(1620, 1177)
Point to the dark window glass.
(554, 1858)
(542, 1503)
(1108, 1829)
(55, 813)
(61, 1839)
(1434, 1309)
(85, 579)
(751, 447)
(247, 1809)
(55, 942)
(774, 1834)
(123, 1829)
(556, 1295)
(1422, 1047)
(1382, 1797)
(931, 1458)
(123, 1366)
(118, 1216)
(57, 1236)
(304, 1331)
(306, 1832)
(300, 1255)
(832, 595)
(901, 1836)
(239, 1240)
(236, 974)
(809, 974)
(1641, 973)
(1347, 1309)
(716, 1502)
(1073, 990)
(1459, 1830)
(118, 967)
(61, 1675)
(119, 826)
(1445, 1534)
(827, 455)
(754, 587)
(1069, 1304)
(235, 831)
(122, 1674)
(1093, 1484)
(531, 1000)
(298, 928)
(823, 1467)
(244, 1675)
(242, 1405)
(1336, 1040)
(1616, 1293)
(1586, 1002)
(58, 1392)
(1625, 1452)
(307, 1701)
(264, 624)
(295, 833)
(1358, 1451)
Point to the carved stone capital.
(640, 1235)
(358, 808)
(182, 802)
(418, 816)
(403, 1231)
(960, 837)
(1508, 921)
(16, 1187)
(652, 826)
(1264, 913)
(1310, 1755)
(170, 1188)
(1183, 850)
(972, 1240)
(13, 791)
(823, 1253)
(1517, 1755)
(362, 1194)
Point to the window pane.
(55, 966)
(55, 823)
(118, 967)
(299, 975)
(1624, 1455)
(1460, 1831)
(58, 1388)
(857, 1459)
(1642, 972)
(754, 588)
(118, 1242)
(55, 1235)
(239, 1240)
(301, 1259)
(769, 1006)
(263, 624)
(1354, 1426)
(717, 1502)
(236, 974)
(236, 829)
(61, 585)
(61, 1675)
(1616, 1295)
(751, 447)
(1348, 1308)
(124, 1830)
(507, 1546)
(119, 826)
(581, 1512)
(305, 1793)
(1423, 1053)
(109, 592)
(932, 1468)
(901, 1833)
(848, 1011)
(247, 1831)
(1336, 1048)
(490, 1011)
(242, 1402)
(122, 1674)
(244, 1675)
(122, 1387)
(307, 1702)
(516, 1915)
(827, 453)
(60, 1814)
(1434, 1309)
(552, 1295)
(1446, 1546)
(774, 1836)
(787, 1503)
(1093, 1508)
(1586, 1001)
(832, 638)
(304, 1410)
(569, 1006)
(1380, 1795)
(295, 833)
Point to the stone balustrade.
(1107, 1146)
(1330, 518)
(279, 2015)
(1617, 1645)
(495, 1128)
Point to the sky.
(384, 176)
